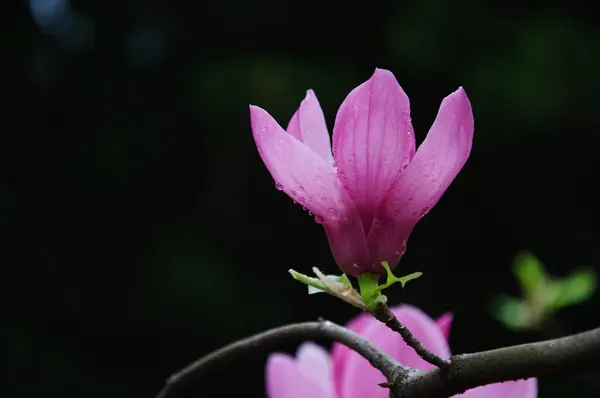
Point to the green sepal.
(368, 284)
(315, 285)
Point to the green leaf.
(391, 278)
(314, 284)
(529, 271)
(344, 280)
(575, 288)
(511, 312)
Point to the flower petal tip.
(382, 74)
(309, 93)
(461, 94)
(255, 109)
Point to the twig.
(383, 313)
(275, 337)
(552, 357)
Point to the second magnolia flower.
(372, 190)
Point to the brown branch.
(547, 358)
(383, 313)
(273, 338)
(559, 356)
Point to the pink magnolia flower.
(374, 188)
(345, 374)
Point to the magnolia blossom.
(374, 188)
(315, 373)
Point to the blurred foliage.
(140, 229)
(543, 295)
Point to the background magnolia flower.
(374, 188)
(345, 374)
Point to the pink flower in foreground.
(374, 188)
(345, 374)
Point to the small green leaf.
(344, 280)
(391, 278)
(511, 312)
(575, 288)
(529, 271)
(314, 284)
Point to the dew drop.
(278, 186)
(323, 198)
(318, 219)
(300, 188)
(310, 213)
(332, 211)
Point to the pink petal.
(284, 379)
(308, 126)
(373, 140)
(315, 364)
(513, 389)
(299, 171)
(339, 352)
(313, 183)
(421, 185)
(444, 322)
(359, 379)
(348, 243)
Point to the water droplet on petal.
(323, 198)
(310, 213)
(318, 219)
(300, 187)
(332, 212)
(278, 186)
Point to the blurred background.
(140, 229)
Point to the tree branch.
(559, 356)
(275, 337)
(383, 313)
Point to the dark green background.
(141, 230)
